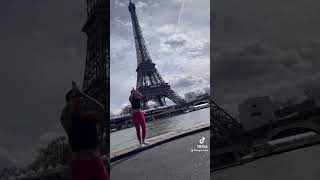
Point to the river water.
(294, 165)
(127, 137)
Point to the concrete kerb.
(162, 140)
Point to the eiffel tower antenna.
(149, 82)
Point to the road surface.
(170, 161)
(294, 165)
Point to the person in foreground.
(82, 119)
(138, 116)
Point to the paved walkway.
(294, 165)
(170, 161)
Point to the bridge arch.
(293, 129)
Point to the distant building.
(191, 96)
(256, 112)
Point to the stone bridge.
(125, 120)
(297, 123)
(200, 100)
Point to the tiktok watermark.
(202, 147)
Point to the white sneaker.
(145, 142)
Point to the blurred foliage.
(57, 152)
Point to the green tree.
(126, 110)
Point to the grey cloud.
(119, 3)
(184, 82)
(141, 4)
(254, 62)
(175, 43)
(243, 63)
(278, 22)
(156, 4)
(263, 48)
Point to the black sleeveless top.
(135, 104)
(84, 134)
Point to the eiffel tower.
(96, 76)
(224, 128)
(149, 82)
(228, 139)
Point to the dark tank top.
(135, 104)
(84, 135)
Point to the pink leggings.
(138, 120)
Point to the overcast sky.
(42, 49)
(179, 46)
(260, 48)
(264, 48)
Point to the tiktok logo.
(202, 147)
(201, 141)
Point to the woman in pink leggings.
(137, 116)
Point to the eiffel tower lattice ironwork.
(224, 128)
(96, 76)
(149, 82)
(227, 139)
